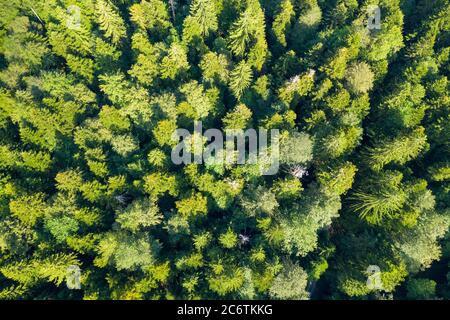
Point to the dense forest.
(91, 92)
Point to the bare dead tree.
(37, 16)
(172, 8)
(297, 171)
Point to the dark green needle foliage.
(91, 92)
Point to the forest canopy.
(91, 92)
